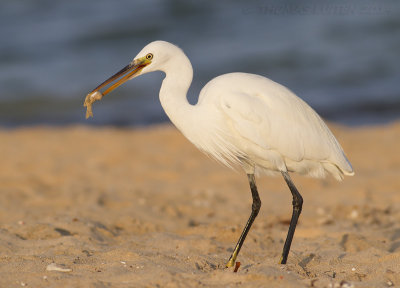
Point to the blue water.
(342, 57)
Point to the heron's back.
(273, 127)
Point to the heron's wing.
(263, 114)
(279, 122)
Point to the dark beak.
(127, 73)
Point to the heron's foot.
(232, 260)
(281, 261)
(230, 263)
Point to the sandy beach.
(108, 207)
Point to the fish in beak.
(129, 72)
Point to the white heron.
(243, 120)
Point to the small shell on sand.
(54, 267)
(89, 100)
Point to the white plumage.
(241, 120)
(247, 119)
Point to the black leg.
(297, 206)
(255, 208)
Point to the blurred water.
(342, 57)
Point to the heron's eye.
(149, 56)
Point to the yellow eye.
(149, 56)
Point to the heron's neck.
(173, 93)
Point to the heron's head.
(155, 56)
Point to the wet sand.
(107, 207)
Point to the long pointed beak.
(130, 71)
